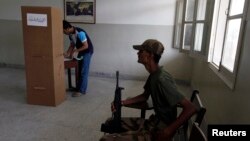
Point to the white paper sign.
(37, 19)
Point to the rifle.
(114, 125)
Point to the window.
(212, 29)
(178, 23)
(226, 40)
(191, 26)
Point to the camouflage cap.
(151, 45)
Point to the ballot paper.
(74, 56)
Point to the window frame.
(208, 37)
(178, 23)
(203, 53)
(221, 71)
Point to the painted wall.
(119, 25)
(145, 12)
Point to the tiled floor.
(76, 119)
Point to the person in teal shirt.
(81, 45)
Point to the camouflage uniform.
(138, 129)
(165, 96)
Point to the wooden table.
(68, 64)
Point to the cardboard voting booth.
(43, 50)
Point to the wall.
(119, 25)
(11, 43)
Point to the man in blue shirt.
(80, 44)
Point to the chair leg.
(143, 113)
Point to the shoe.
(76, 94)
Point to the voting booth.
(43, 51)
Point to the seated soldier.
(160, 85)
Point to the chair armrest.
(141, 106)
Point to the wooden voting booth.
(43, 50)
